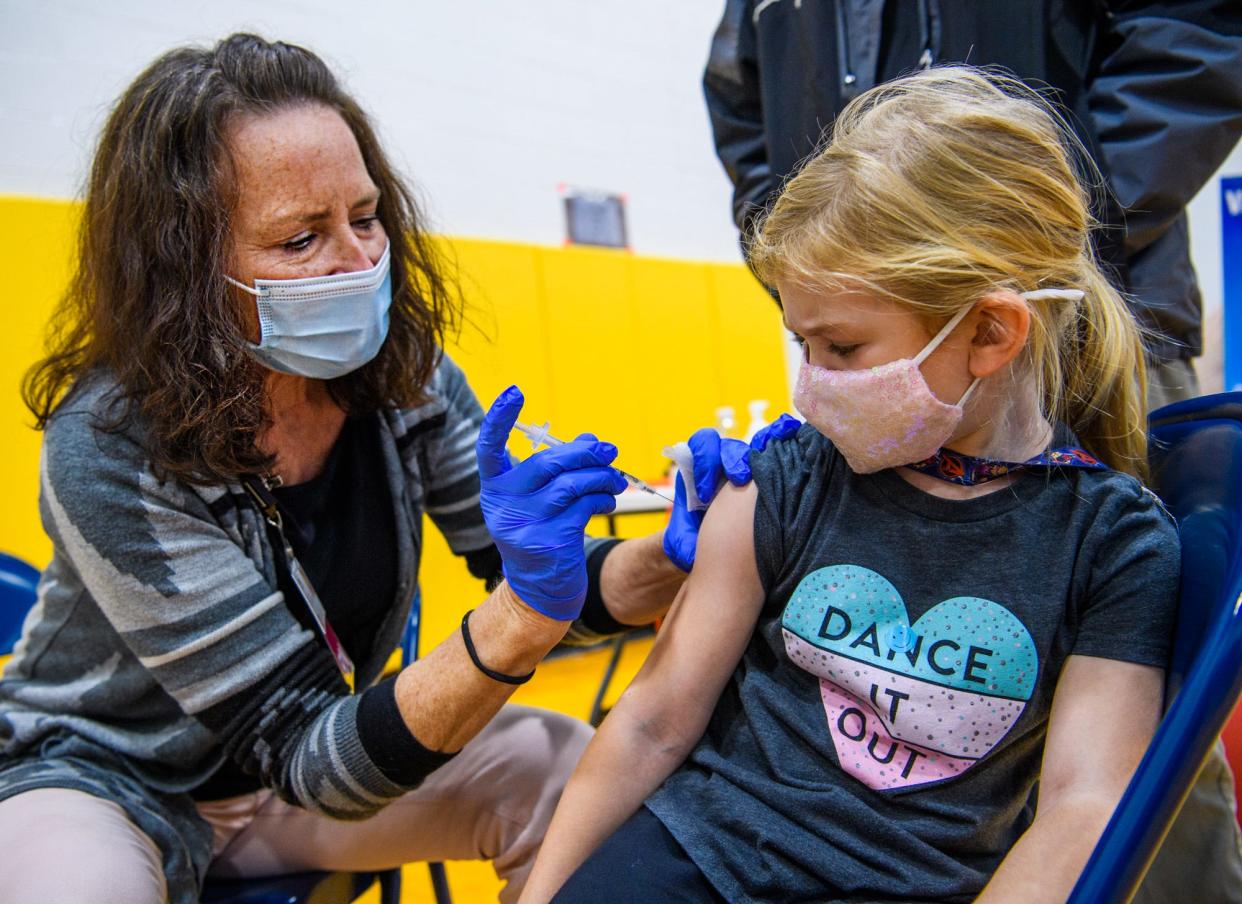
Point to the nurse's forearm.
(638, 582)
(445, 700)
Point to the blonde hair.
(941, 187)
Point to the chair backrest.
(413, 624)
(1196, 457)
(18, 581)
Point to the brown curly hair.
(148, 306)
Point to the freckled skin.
(300, 175)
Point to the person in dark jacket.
(1152, 89)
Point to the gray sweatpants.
(493, 801)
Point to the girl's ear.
(1002, 323)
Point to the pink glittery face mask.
(883, 416)
(887, 416)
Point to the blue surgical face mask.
(322, 326)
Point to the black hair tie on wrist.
(478, 663)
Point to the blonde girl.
(951, 584)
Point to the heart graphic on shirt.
(908, 704)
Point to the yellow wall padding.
(36, 243)
(638, 350)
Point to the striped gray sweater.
(160, 636)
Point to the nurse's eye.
(366, 224)
(301, 243)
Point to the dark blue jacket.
(1154, 90)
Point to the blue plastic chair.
(18, 582)
(1196, 459)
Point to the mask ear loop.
(1054, 295)
(261, 308)
(943, 334)
(939, 338)
(245, 288)
(1034, 295)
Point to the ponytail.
(1104, 393)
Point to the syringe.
(540, 436)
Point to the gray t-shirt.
(882, 734)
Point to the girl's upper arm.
(1110, 693)
(706, 630)
(1104, 713)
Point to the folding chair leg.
(597, 708)
(390, 886)
(439, 884)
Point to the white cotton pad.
(684, 458)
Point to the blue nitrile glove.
(716, 459)
(738, 471)
(537, 509)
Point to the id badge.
(302, 581)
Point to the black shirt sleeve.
(485, 565)
(595, 615)
(1132, 598)
(389, 743)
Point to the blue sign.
(1231, 256)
